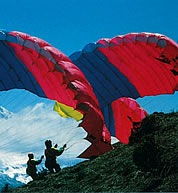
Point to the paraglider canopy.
(96, 85)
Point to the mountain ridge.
(4, 113)
(5, 179)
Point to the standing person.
(31, 166)
(51, 154)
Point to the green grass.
(149, 163)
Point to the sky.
(69, 25)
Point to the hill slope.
(148, 163)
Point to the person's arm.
(39, 161)
(61, 150)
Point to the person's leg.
(49, 166)
(51, 170)
(34, 176)
(57, 167)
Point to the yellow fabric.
(66, 111)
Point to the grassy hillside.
(148, 163)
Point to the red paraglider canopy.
(97, 84)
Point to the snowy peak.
(4, 113)
(12, 182)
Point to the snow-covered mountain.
(4, 113)
(5, 179)
(26, 131)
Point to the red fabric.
(98, 135)
(140, 61)
(42, 70)
(93, 122)
(69, 87)
(150, 62)
(95, 150)
(126, 112)
(148, 66)
(53, 82)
